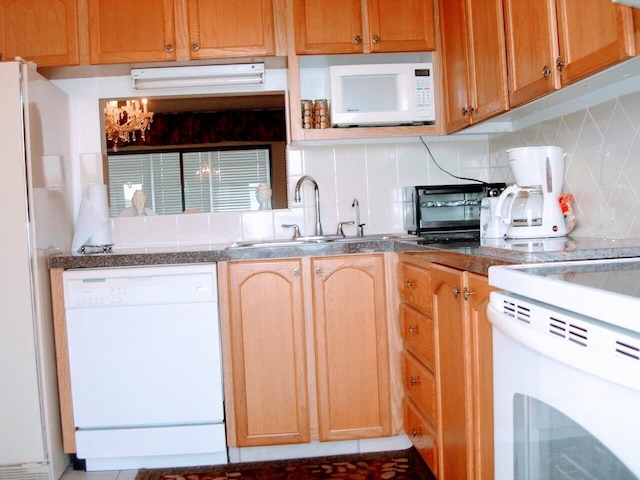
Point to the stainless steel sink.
(309, 240)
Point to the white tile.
(294, 161)
(257, 225)
(381, 158)
(193, 229)
(631, 106)
(225, 227)
(412, 157)
(397, 442)
(161, 230)
(81, 475)
(128, 231)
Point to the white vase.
(139, 201)
(263, 195)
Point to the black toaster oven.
(446, 210)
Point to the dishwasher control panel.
(110, 287)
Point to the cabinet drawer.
(415, 287)
(420, 385)
(417, 332)
(421, 435)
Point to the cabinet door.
(593, 35)
(268, 352)
(42, 31)
(229, 28)
(452, 339)
(455, 63)
(401, 25)
(488, 68)
(122, 31)
(328, 26)
(352, 357)
(531, 49)
(482, 375)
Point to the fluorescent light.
(198, 76)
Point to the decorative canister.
(321, 113)
(307, 113)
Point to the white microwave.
(382, 94)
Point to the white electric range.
(566, 343)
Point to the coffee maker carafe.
(531, 208)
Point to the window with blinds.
(196, 181)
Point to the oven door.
(558, 412)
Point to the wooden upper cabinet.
(122, 31)
(473, 61)
(364, 26)
(592, 36)
(553, 43)
(532, 49)
(489, 93)
(328, 26)
(401, 26)
(42, 31)
(455, 63)
(230, 28)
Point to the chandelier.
(122, 122)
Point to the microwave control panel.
(424, 97)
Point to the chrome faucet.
(360, 231)
(296, 196)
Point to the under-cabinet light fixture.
(198, 76)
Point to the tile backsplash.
(602, 171)
(602, 167)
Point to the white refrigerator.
(35, 221)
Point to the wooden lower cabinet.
(306, 349)
(268, 352)
(352, 347)
(447, 373)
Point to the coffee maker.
(531, 208)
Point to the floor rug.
(397, 465)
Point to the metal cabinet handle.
(413, 330)
(456, 291)
(357, 39)
(169, 48)
(295, 272)
(416, 432)
(414, 381)
(195, 47)
(467, 110)
(375, 39)
(546, 71)
(318, 271)
(559, 64)
(466, 293)
(410, 283)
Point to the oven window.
(548, 445)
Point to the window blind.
(203, 181)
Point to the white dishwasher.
(145, 366)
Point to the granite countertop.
(472, 257)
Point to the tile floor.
(112, 475)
